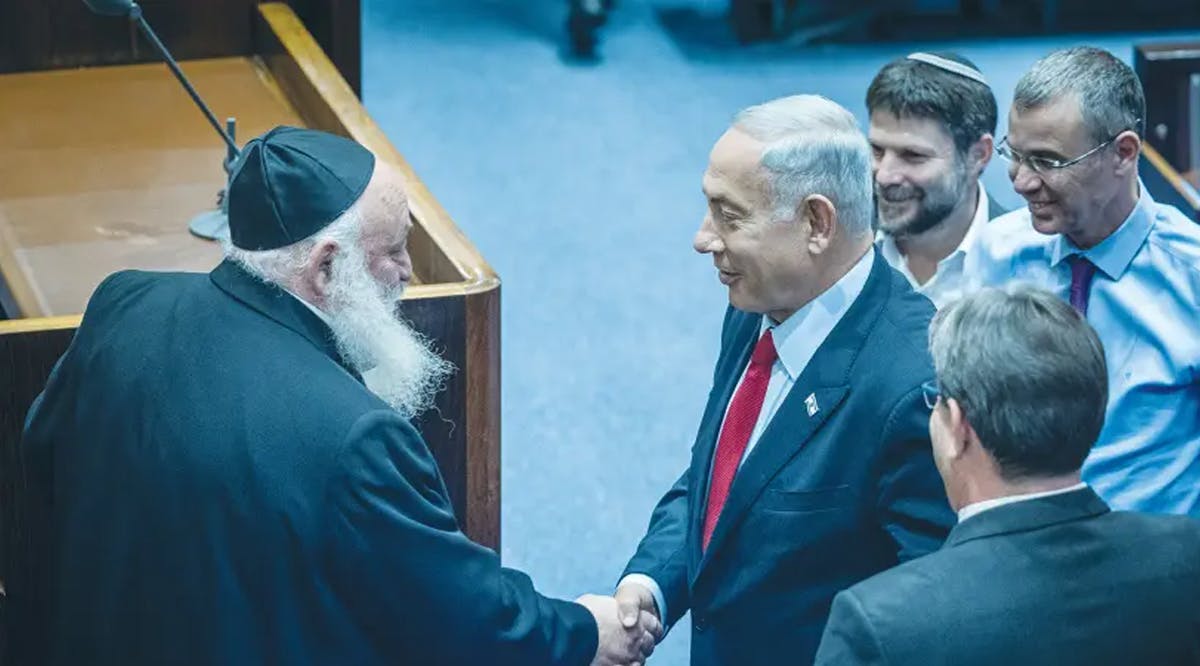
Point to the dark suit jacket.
(822, 501)
(224, 491)
(1054, 581)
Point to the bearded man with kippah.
(225, 489)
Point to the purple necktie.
(1082, 272)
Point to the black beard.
(927, 218)
(929, 213)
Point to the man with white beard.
(224, 489)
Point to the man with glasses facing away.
(932, 120)
(1038, 570)
(1093, 235)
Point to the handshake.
(628, 624)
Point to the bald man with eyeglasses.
(1093, 235)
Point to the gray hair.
(281, 265)
(1029, 373)
(1108, 91)
(814, 146)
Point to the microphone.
(213, 224)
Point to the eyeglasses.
(932, 393)
(1045, 164)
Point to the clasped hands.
(628, 624)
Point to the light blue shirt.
(796, 341)
(1145, 306)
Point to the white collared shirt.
(979, 507)
(315, 310)
(796, 341)
(947, 283)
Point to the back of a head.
(1109, 93)
(1030, 375)
(913, 88)
(814, 146)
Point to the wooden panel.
(337, 27)
(26, 359)
(97, 183)
(483, 417)
(443, 321)
(53, 34)
(1165, 70)
(1167, 185)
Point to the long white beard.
(395, 361)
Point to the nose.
(706, 240)
(887, 171)
(1025, 180)
(404, 261)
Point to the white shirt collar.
(891, 252)
(324, 317)
(979, 507)
(798, 337)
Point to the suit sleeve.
(911, 500)
(849, 639)
(416, 585)
(662, 553)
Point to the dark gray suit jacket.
(223, 490)
(1059, 580)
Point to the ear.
(1129, 149)
(317, 272)
(980, 154)
(962, 434)
(821, 215)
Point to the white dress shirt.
(947, 283)
(979, 507)
(796, 341)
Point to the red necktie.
(739, 425)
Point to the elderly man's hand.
(620, 645)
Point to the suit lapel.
(783, 439)
(710, 426)
(824, 381)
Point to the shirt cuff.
(655, 591)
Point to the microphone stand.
(212, 224)
(135, 13)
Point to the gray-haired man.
(1093, 235)
(811, 469)
(1038, 570)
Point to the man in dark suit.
(810, 470)
(223, 487)
(1038, 570)
(933, 120)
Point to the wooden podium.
(103, 167)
